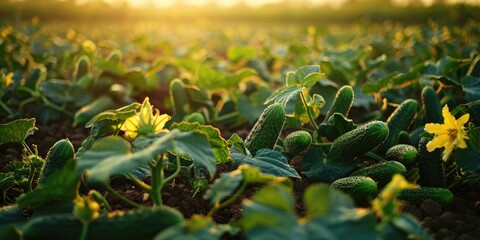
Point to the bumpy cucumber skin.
(358, 141)
(87, 112)
(137, 224)
(398, 121)
(430, 165)
(403, 153)
(342, 102)
(382, 173)
(431, 104)
(58, 155)
(267, 129)
(361, 189)
(418, 195)
(297, 142)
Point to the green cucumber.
(403, 153)
(134, 224)
(418, 195)
(430, 165)
(361, 189)
(179, 97)
(267, 129)
(358, 141)
(431, 105)
(87, 112)
(398, 121)
(58, 155)
(297, 142)
(195, 117)
(382, 172)
(342, 102)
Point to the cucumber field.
(207, 121)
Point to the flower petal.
(160, 122)
(462, 120)
(437, 142)
(448, 118)
(449, 146)
(436, 128)
(461, 142)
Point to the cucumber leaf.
(197, 228)
(318, 169)
(217, 143)
(268, 161)
(60, 185)
(336, 125)
(112, 156)
(17, 131)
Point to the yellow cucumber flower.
(450, 135)
(144, 122)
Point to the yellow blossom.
(144, 122)
(86, 209)
(451, 134)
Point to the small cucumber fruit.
(382, 172)
(58, 155)
(418, 195)
(430, 165)
(179, 97)
(87, 112)
(266, 130)
(431, 104)
(297, 142)
(342, 102)
(361, 189)
(195, 117)
(403, 153)
(358, 141)
(398, 121)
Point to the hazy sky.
(250, 2)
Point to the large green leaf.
(268, 161)
(287, 96)
(17, 131)
(60, 185)
(236, 54)
(212, 79)
(217, 143)
(317, 168)
(114, 116)
(103, 163)
(224, 186)
(196, 228)
(271, 215)
(469, 158)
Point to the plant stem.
(227, 116)
(174, 174)
(322, 144)
(375, 156)
(139, 183)
(83, 235)
(227, 202)
(124, 199)
(157, 176)
(309, 112)
(7, 109)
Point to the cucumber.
(403, 153)
(361, 189)
(418, 195)
(342, 102)
(58, 155)
(431, 105)
(266, 130)
(134, 224)
(358, 141)
(430, 165)
(398, 121)
(382, 172)
(297, 142)
(179, 97)
(87, 112)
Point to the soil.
(459, 220)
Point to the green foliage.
(268, 161)
(17, 131)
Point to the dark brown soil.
(458, 220)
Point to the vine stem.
(139, 183)
(227, 202)
(322, 144)
(375, 156)
(309, 112)
(83, 235)
(124, 199)
(227, 116)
